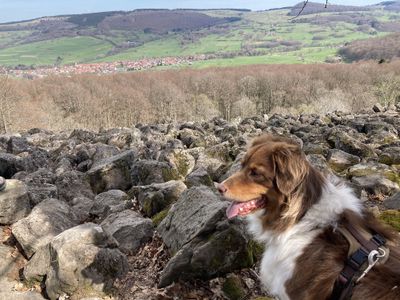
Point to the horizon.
(21, 10)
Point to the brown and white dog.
(294, 211)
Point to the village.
(99, 68)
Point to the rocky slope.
(131, 213)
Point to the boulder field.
(132, 213)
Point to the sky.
(16, 10)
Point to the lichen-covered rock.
(46, 220)
(204, 243)
(129, 229)
(199, 177)
(109, 202)
(180, 160)
(346, 143)
(390, 156)
(82, 261)
(156, 197)
(339, 160)
(14, 202)
(112, 173)
(146, 172)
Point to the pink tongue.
(243, 208)
(233, 209)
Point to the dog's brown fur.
(276, 169)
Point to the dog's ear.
(290, 167)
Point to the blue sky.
(13, 10)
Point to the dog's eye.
(254, 173)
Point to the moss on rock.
(157, 219)
(392, 218)
(233, 288)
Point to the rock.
(10, 263)
(81, 207)
(17, 145)
(378, 108)
(198, 177)
(233, 288)
(110, 202)
(180, 160)
(372, 168)
(112, 173)
(318, 161)
(316, 148)
(146, 172)
(46, 220)
(43, 192)
(339, 160)
(390, 156)
(204, 242)
(82, 261)
(393, 202)
(192, 138)
(10, 165)
(156, 197)
(376, 184)
(72, 184)
(197, 210)
(14, 202)
(346, 143)
(103, 151)
(129, 229)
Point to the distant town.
(99, 68)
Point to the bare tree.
(6, 104)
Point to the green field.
(257, 38)
(77, 49)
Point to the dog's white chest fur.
(280, 255)
(282, 250)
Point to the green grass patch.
(76, 49)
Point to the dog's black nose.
(221, 188)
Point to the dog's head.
(275, 175)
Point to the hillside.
(227, 37)
(381, 49)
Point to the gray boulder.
(129, 229)
(72, 184)
(204, 243)
(346, 143)
(109, 202)
(112, 173)
(46, 220)
(393, 202)
(81, 207)
(82, 261)
(339, 160)
(14, 202)
(390, 156)
(376, 184)
(146, 172)
(156, 197)
(10, 262)
(198, 177)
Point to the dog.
(313, 228)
